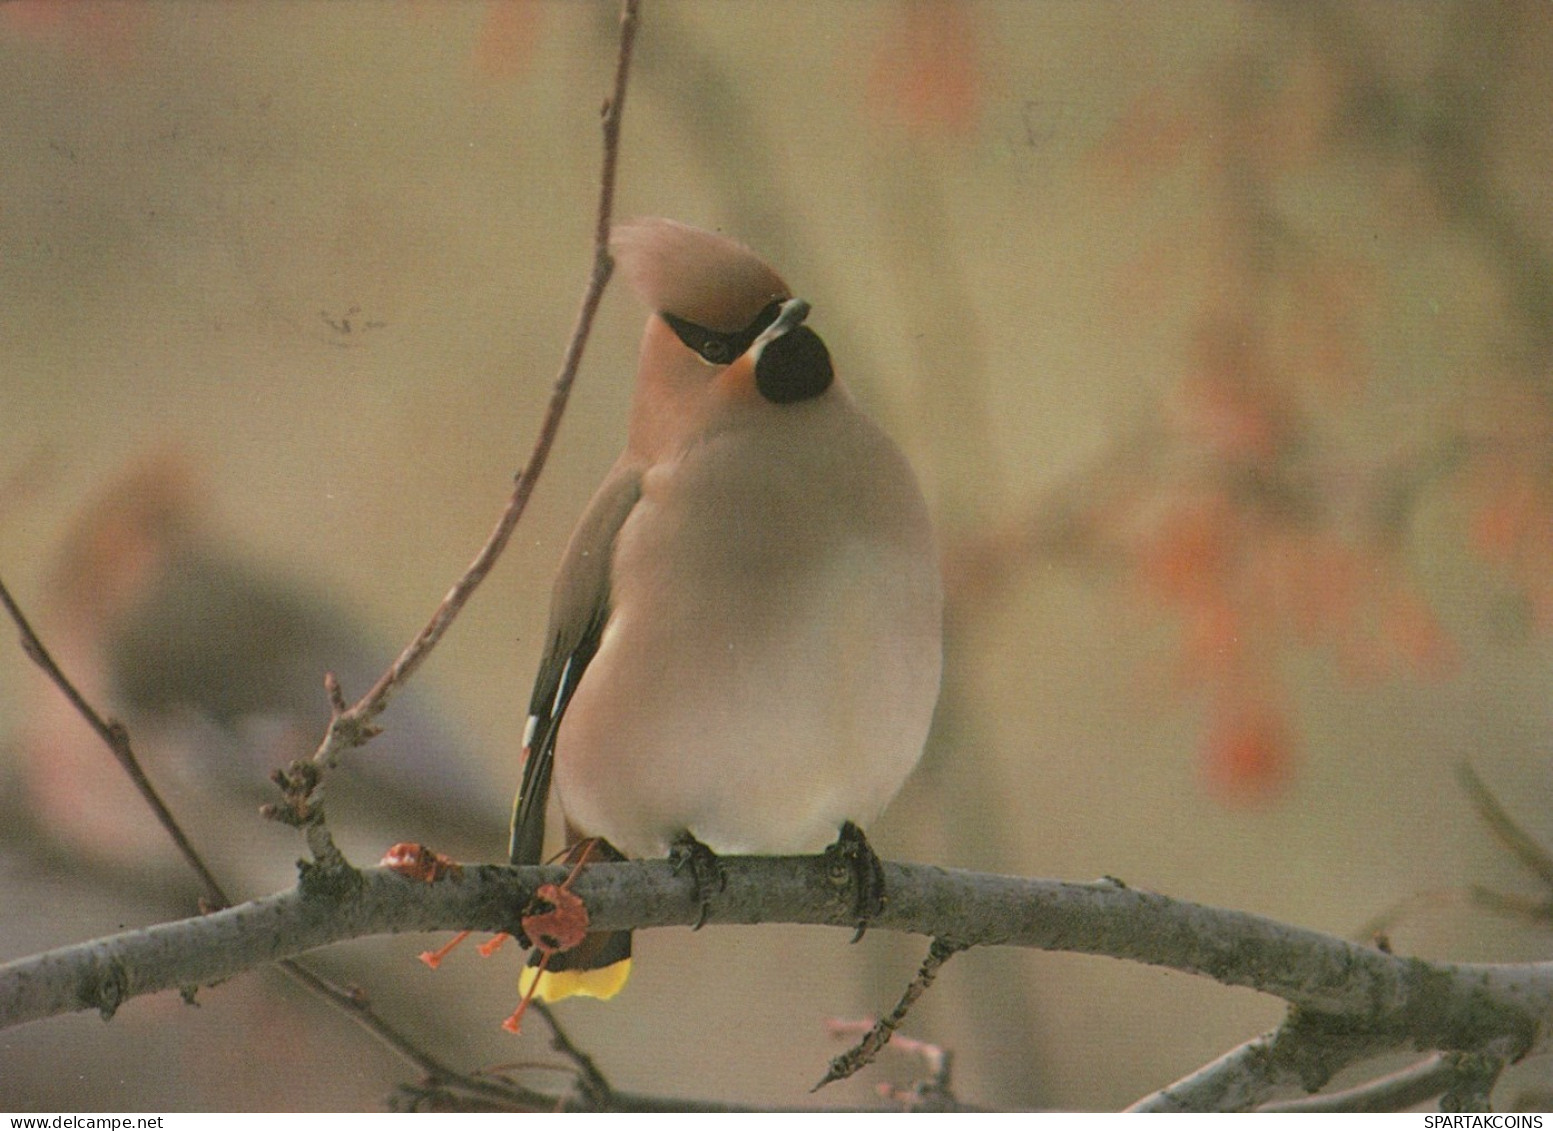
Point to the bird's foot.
(706, 871)
(852, 860)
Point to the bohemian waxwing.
(745, 635)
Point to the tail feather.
(597, 968)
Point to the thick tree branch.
(1352, 1001)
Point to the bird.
(215, 664)
(745, 638)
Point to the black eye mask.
(720, 348)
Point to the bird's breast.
(772, 657)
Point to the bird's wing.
(579, 610)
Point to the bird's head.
(724, 328)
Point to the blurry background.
(1220, 334)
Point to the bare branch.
(1502, 825)
(1236, 1081)
(1353, 1001)
(591, 1084)
(354, 1005)
(862, 1054)
(352, 727)
(1308, 1049)
(1398, 1090)
(116, 738)
(1251, 1074)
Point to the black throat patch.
(795, 367)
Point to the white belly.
(771, 664)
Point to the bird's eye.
(712, 347)
(718, 347)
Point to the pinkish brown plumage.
(745, 633)
(706, 278)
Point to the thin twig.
(1520, 844)
(1302, 1054)
(1437, 899)
(595, 1089)
(116, 737)
(862, 1054)
(352, 727)
(1393, 1092)
(355, 1006)
(114, 734)
(1538, 911)
(929, 1092)
(1236, 1081)
(438, 1075)
(1503, 826)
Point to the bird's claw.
(706, 871)
(852, 860)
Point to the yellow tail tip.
(556, 985)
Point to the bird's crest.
(696, 275)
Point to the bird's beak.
(738, 380)
(790, 317)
